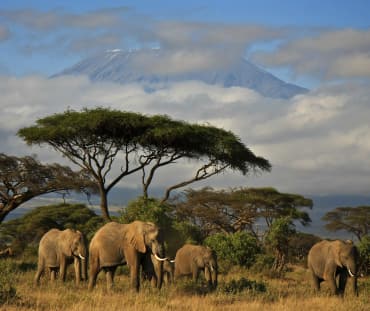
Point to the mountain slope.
(119, 66)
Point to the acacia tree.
(23, 178)
(354, 220)
(97, 139)
(239, 209)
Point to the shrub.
(364, 250)
(7, 279)
(239, 248)
(238, 286)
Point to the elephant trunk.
(84, 269)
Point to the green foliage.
(146, 209)
(239, 248)
(8, 278)
(277, 241)
(364, 250)
(263, 263)
(279, 233)
(25, 232)
(241, 285)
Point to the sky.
(318, 143)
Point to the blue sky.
(317, 143)
(27, 49)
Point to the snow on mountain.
(121, 67)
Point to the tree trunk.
(104, 205)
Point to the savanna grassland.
(292, 292)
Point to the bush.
(7, 279)
(263, 263)
(238, 286)
(364, 250)
(239, 248)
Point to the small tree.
(23, 178)
(355, 220)
(277, 239)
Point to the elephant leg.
(94, 270)
(195, 272)
(40, 270)
(53, 274)
(342, 282)
(109, 275)
(63, 269)
(134, 276)
(93, 276)
(77, 266)
(207, 276)
(333, 285)
(315, 281)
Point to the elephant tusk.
(172, 261)
(350, 273)
(82, 257)
(159, 258)
(211, 266)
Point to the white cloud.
(331, 54)
(317, 143)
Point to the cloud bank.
(317, 142)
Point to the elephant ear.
(65, 242)
(336, 248)
(135, 236)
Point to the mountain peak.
(121, 67)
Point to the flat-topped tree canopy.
(96, 138)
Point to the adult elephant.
(117, 244)
(329, 259)
(191, 259)
(58, 249)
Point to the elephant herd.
(137, 245)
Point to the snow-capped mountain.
(120, 66)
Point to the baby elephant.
(168, 271)
(191, 259)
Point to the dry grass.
(290, 293)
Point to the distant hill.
(119, 66)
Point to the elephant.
(168, 271)
(117, 244)
(329, 259)
(58, 249)
(191, 259)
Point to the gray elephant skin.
(58, 249)
(191, 259)
(117, 244)
(328, 260)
